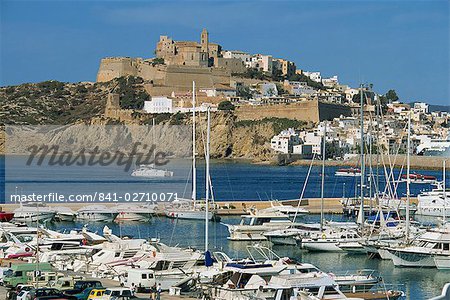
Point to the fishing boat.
(419, 178)
(348, 172)
(99, 213)
(34, 212)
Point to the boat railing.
(363, 272)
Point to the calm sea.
(231, 181)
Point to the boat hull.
(6, 216)
(442, 262)
(188, 215)
(321, 246)
(134, 216)
(96, 216)
(34, 216)
(411, 259)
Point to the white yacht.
(34, 212)
(423, 251)
(287, 209)
(150, 171)
(135, 212)
(348, 172)
(97, 213)
(187, 210)
(64, 214)
(331, 240)
(252, 227)
(432, 203)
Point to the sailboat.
(191, 209)
(150, 170)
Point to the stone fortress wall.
(308, 110)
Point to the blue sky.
(402, 45)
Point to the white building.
(158, 105)
(298, 88)
(219, 90)
(285, 141)
(330, 82)
(314, 76)
(261, 62)
(245, 57)
(268, 89)
(350, 93)
(420, 107)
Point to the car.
(13, 293)
(84, 294)
(117, 292)
(96, 294)
(81, 285)
(23, 294)
(43, 292)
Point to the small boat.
(139, 213)
(6, 216)
(442, 262)
(150, 171)
(432, 203)
(252, 227)
(287, 209)
(33, 212)
(419, 178)
(99, 213)
(64, 214)
(330, 240)
(188, 211)
(348, 172)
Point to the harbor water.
(233, 180)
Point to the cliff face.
(52, 102)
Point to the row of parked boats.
(142, 263)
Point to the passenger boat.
(34, 212)
(253, 226)
(99, 213)
(349, 172)
(150, 171)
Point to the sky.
(401, 45)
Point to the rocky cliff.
(56, 103)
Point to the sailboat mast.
(445, 193)
(361, 211)
(194, 172)
(323, 174)
(408, 179)
(207, 181)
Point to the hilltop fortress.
(176, 65)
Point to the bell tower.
(204, 40)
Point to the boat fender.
(83, 242)
(154, 253)
(27, 249)
(324, 236)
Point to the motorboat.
(348, 172)
(330, 240)
(150, 171)
(6, 216)
(422, 251)
(188, 210)
(432, 203)
(34, 212)
(99, 213)
(64, 214)
(287, 209)
(135, 212)
(442, 262)
(253, 226)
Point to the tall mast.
(361, 211)
(194, 172)
(408, 179)
(323, 174)
(445, 193)
(207, 181)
